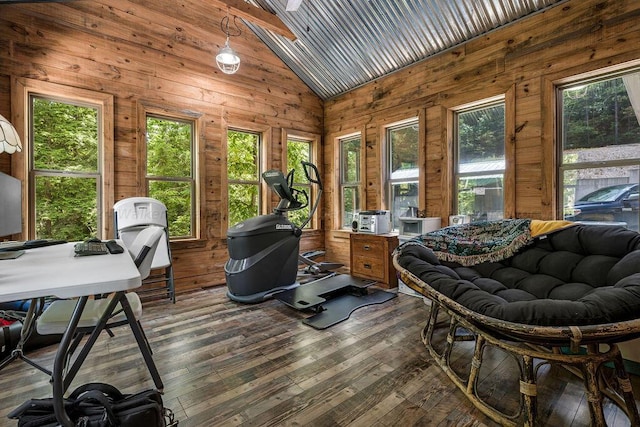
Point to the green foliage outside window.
(481, 134)
(350, 177)
(297, 152)
(65, 166)
(242, 202)
(170, 171)
(176, 196)
(66, 208)
(404, 147)
(65, 136)
(169, 147)
(598, 114)
(243, 175)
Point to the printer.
(374, 222)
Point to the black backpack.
(99, 405)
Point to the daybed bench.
(540, 291)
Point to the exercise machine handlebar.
(315, 179)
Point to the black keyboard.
(90, 248)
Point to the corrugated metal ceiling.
(342, 44)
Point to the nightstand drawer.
(368, 246)
(366, 266)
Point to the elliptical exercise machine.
(263, 261)
(264, 250)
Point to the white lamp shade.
(9, 139)
(227, 59)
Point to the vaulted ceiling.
(343, 44)
(338, 45)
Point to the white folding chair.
(132, 215)
(55, 318)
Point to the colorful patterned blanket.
(478, 242)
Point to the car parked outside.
(617, 203)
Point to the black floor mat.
(317, 292)
(340, 308)
(333, 298)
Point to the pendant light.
(227, 59)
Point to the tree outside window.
(403, 173)
(350, 180)
(299, 150)
(66, 169)
(480, 162)
(243, 175)
(170, 171)
(600, 150)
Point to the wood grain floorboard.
(228, 364)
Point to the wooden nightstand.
(371, 257)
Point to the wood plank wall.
(521, 61)
(161, 53)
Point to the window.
(68, 168)
(298, 151)
(243, 174)
(402, 186)
(480, 162)
(350, 179)
(600, 149)
(170, 170)
(68, 150)
(171, 160)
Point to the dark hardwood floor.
(227, 364)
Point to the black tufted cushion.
(580, 275)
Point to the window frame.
(23, 90)
(230, 120)
(314, 153)
(387, 204)
(342, 183)
(145, 109)
(508, 154)
(191, 179)
(260, 166)
(602, 75)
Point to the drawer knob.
(367, 266)
(367, 247)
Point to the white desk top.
(55, 271)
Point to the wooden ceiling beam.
(256, 15)
(33, 1)
(238, 8)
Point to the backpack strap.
(107, 389)
(92, 397)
